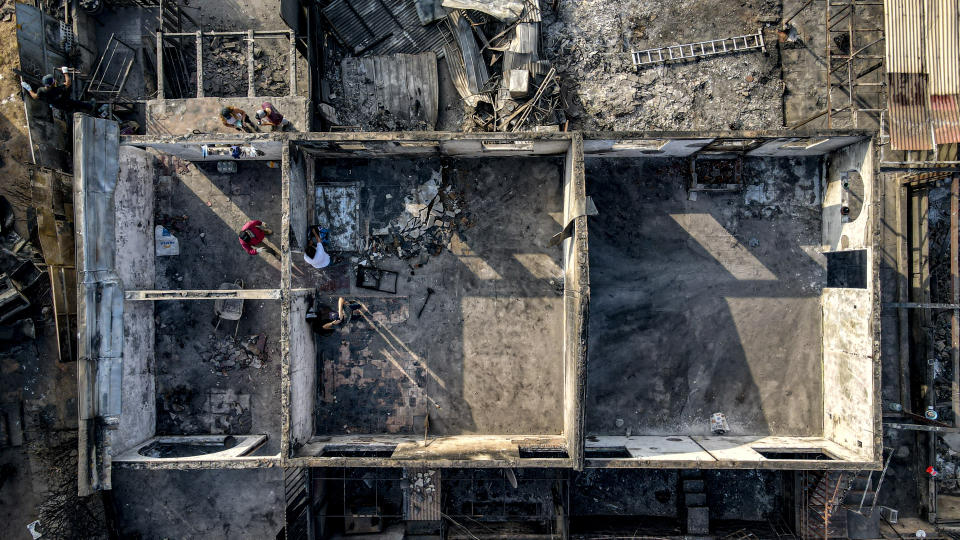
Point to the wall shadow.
(205, 210)
(486, 354)
(704, 306)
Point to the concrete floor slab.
(209, 381)
(199, 503)
(486, 355)
(185, 116)
(706, 305)
(205, 210)
(744, 449)
(657, 449)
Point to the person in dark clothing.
(270, 116)
(57, 95)
(323, 319)
(237, 118)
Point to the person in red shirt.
(252, 234)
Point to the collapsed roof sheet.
(380, 27)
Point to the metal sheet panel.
(942, 46)
(337, 209)
(907, 81)
(290, 13)
(63, 292)
(421, 500)
(380, 27)
(100, 297)
(40, 41)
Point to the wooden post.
(251, 85)
(293, 63)
(160, 89)
(199, 64)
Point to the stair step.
(698, 520)
(693, 486)
(695, 499)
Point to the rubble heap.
(228, 353)
(497, 67)
(225, 65)
(432, 214)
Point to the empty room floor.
(707, 305)
(486, 354)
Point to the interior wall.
(851, 379)
(267, 150)
(857, 233)
(576, 299)
(298, 197)
(303, 372)
(410, 144)
(136, 258)
(850, 397)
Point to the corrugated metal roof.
(923, 72)
(381, 27)
(907, 103)
(906, 80)
(422, 498)
(943, 63)
(940, 44)
(945, 115)
(903, 30)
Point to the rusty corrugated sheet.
(404, 86)
(422, 498)
(943, 65)
(907, 82)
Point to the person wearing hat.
(58, 95)
(236, 118)
(269, 115)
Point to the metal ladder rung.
(689, 50)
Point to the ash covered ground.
(589, 42)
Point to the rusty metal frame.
(913, 303)
(109, 63)
(846, 21)
(249, 36)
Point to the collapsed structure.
(520, 356)
(548, 326)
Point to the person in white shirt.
(314, 254)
